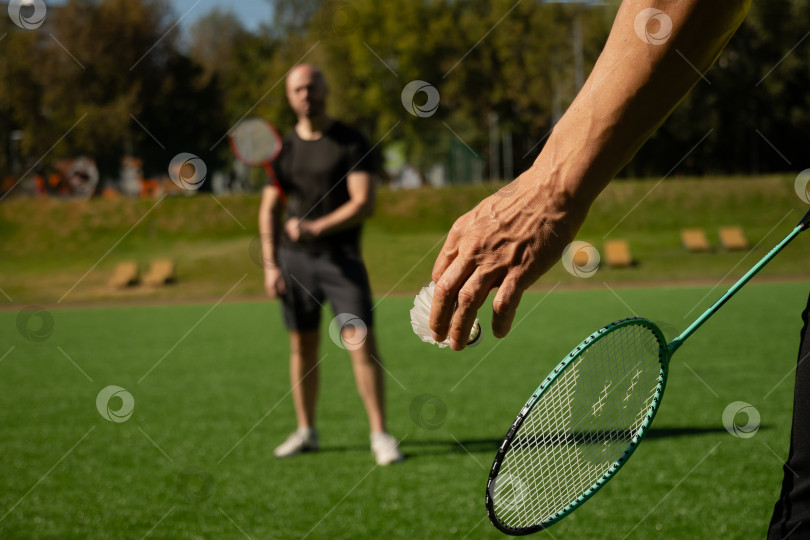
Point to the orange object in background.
(109, 193)
(617, 253)
(126, 274)
(39, 185)
(694, 240)
(150, 188)
(733, 238)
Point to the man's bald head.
(307, 90)
(307, 72)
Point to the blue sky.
(252, 13)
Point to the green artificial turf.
(211, 400)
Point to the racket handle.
(272, 175)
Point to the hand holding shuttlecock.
(420, 317)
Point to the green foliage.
(99, 63)
(99, 71)
(517, 61)
(483, 57)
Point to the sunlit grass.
(210, 391)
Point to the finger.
(471, 297)
(449, 250)
(445, 296)
(504, 307)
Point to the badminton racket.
(585, 420)
(256, 142)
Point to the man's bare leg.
(369, 377)
(304, 376)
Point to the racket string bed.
(579, 427)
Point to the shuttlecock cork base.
(420, 317)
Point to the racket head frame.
(663, 357)
(266, 163)
(274, 132)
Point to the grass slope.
(66, 251)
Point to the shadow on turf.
(415, 449)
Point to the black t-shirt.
(313, 176)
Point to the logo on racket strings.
(507, 491)
(653, 26)
(580, 259)
(348, 331)
(27, 14)
(428, 107)
(734, 426)
(187, 171)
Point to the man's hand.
(274, 282)
(508, 241)
(299, 230)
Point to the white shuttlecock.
(420, 317)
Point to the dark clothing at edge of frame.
(791, 514)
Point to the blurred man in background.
(325, 172)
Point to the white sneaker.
(385, 448)
(301, 440)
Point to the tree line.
(109, 78)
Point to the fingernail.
(436, 337)
(455, 345)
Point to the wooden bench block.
(125, 275)
(617, 253)
(732, 238)
(160, 273)
(694, 240)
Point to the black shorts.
(314, 277)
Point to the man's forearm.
(353, 212)
(269, 226)
(347, 215)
